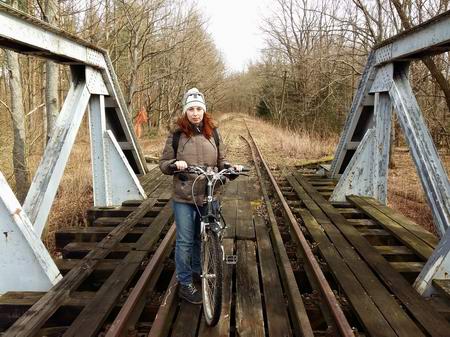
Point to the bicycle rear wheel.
(212, 277)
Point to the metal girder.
(366, 173)
(383, 121)
(113, 179)
(25, 263)
(437, 267)
(429, 38)
(28, 35)
(424, 153)
(357, 178)
(360, 106)
(45, 183)
(122, 183)
(383, 78)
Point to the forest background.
(314, 54)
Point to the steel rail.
(341, 321)
(120, 323)
(161, 324)
(297, 308)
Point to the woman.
(195, 141)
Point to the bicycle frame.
(211, 218)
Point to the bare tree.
(51, 76)
(435, 72)
(21, 173)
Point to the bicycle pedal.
(230, 259)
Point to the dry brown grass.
(405, 192)
(282, 147)
(74, 194)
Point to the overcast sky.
(234, 25)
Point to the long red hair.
(208, 125)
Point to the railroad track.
(306, 267)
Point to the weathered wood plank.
(229, 212)
(249, 315)
(96, 212)
(443, 286)
(298, 314)
(430, 320)
(91, 234)
(68, 264)
(93, 315)
(230, 190)
(394, 250)
(78, 250)
(370, 316)
(363, 222)
(275, 303)
(420, 232)
(14, 304)
(187, 320)
(407, 266)
(379, 301)
(245, 229)
(409, 239)
(222, 329)
(35, 318)
(114, 221)
(351, 213)
(166, 312)
(243, 188)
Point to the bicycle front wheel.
(212, 277)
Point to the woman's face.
(195, 114)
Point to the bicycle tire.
(211, 285)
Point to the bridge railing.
(116, 156)
(362, 156)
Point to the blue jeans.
(188, 241)
(187, 247)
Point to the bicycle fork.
(227, 258)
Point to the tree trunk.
(51, 78)
(428, 61)
(21, 173)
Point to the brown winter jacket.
(194, 150)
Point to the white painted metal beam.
(26, 34)
(25, 263)
(383, 118)
(428, 38)
(358, 177)
(122, 183)
(424, 153)
(97, 126)
(345, 142)
(45, 183)
(437, 267)
(113, 178)
(366, 173)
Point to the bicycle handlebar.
(203, 170)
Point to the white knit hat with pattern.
(193, 97)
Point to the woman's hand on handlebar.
(238, 167)
(180, 165)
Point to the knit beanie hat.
(193, 97)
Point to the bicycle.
(211, 232)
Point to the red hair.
(208, 125)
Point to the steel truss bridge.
(387, 268)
